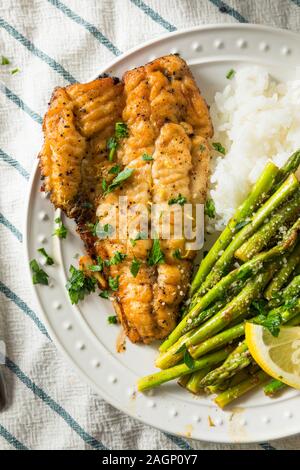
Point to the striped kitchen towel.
(50, 43)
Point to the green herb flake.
(121, 130)
(112, 145)
(156, 255)
(261, 306)
(61, 231)
(176, 254)
(244, 273)
(117, 258)
(79, 285)
(4, 60)
(202, 148)
(135, 267)
(230, 74)
(49, 260)
(14, 71)
(113, 283)
(122, 176)
(181, 200)
(132, 241)
(210, 208)
(92, 228)
(114, 170)
(39, 276)
(141, 236)
(104, 294)
(112, 320)
(96, 267)
(147, 158)
(188, 360)
(104, 185)
(219, 147)
(273, 322)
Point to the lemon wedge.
(277, 356)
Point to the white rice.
(256, 120)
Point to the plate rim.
(271, 435)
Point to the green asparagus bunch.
(206, 351)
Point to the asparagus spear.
(193, 384)
(221, 339)
(158, 378)
(291, 291)
(257, 194)
(223, 264)
(291, 166)
(261, 238)
(282, 277)
(237, 391)
(273, 387)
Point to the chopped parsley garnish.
(244, 274)
(104, 231)
(219, 147)
(121, 130)
(202, 148)
(272, 322)
(177, 254)
(147, 158)
(104, 294)
(156, 255)
(177, 200)
(112, 320)
(4, 60)
(230, 74)
(104, 185)
(92, 228)
(112, 145)
(188, 360)
(96, 267)
(79, 285)
(39, 276)
(113, 283)
(114, 170)
(122, 176)
(135, 267)
(261, 306)
(43, 252)
(100, 231)
(14, 71)
(209, 208)
(61, 231)
(117, 258)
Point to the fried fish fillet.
(168, 120)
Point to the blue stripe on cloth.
(54, 406)
(267, 446)
(181, 443)
(20, 103)
(224, 8)
(91, 28)
(23, 306)
(14, 163)
(154, 15)
(12, 439)
(37, 52)
(4, 221)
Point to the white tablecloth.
(54, 43)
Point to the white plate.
(83, 333)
